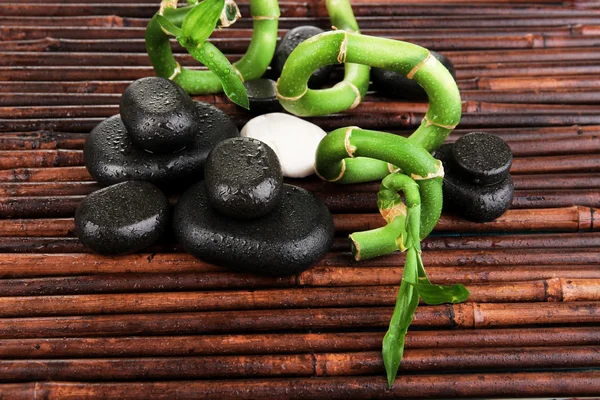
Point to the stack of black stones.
(242, 216)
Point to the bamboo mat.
(163, 325)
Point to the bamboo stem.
(557, 289)
(466, 316)
(550, 384)
(319, 364)
(289, 343)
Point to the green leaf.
(167, 26)
(192, 2)
(436, 294)
(201, 21)
(406, 304)
(233, 87)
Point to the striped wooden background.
(165, 325)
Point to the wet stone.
(295, 235)
(123, 218)
(293, 139)
(468, 195)
(288, 43)
(396, 85)
(111, 157)
(159, 115)
(482, 158)
(477, 203)
(243, 178)
(262, 94)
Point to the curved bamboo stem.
(252, 65)
(341, 46)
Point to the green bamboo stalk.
(408, 59)
(252, 65)
(349, 155)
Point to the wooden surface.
(165, 325)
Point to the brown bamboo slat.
(289, 343)
(504, 241)
(466, 316)
(567, 219)
(406, 386)
(521, 292)
(313, 277)
(320, 364)
(163, 324)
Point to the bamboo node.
(265, 17)
(439, 173)
(341, 58)
(392, 168)
(350, 149)
(337, 178)
(429, 122)
(389, 214)
(176, 71)
(282, 97)
(358, 98)
(418, 66)
(237, 71)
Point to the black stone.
(482, 158)
(288, 43)
(262, 95)
(159, 115)
(477, 203)
(295, 235)
(123, 218)
(243, 178)
(111, 157)
(396, 85)
(465, 192)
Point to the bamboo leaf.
(192, 2)
(406, 304)
(436, 294)
(167, 26)
(233, 87)
(201, 21)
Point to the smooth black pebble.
(123, 218)
(243, 178)
(288, 43)
(262, 94)
(396, 85)
(482, 158)
(477, 185)
(477, 203)
(111, 157)
(159, 115)
(295, 235)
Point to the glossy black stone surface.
(295, 235)
(262, 95)
(243, 178)
(393, 84)
(123, 218)
(482, 158)
(288, 43)
(111, 157)
(477, 203)
(159, 115)
(464, 192)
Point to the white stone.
(293, 139)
